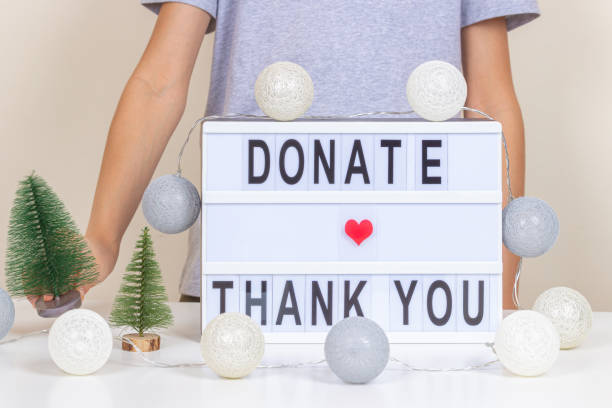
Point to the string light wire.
(405, 365)
(198, 122)
(23, 336)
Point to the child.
(359, 54)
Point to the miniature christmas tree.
(142, 301)
(45, 253)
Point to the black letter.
(319, 157)
(262, 301)
(473, 321)
(317, 297)
(405, 298)
(284, 310)
(283, 151)
(361, 169)
(222, 285)
(264, 147)
(425, 162)
(352, 300)
(390, 144)
(439, 284)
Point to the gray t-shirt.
(359, 54)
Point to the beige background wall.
(64, 63)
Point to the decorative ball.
(569, 312)
(284, 91)
(356, 350)
(7, 313)
(527, 343)
(232, 345)
(171, 204)
(530, 226)
(436, 90)
(80, 342)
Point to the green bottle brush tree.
(142, 301)
(46, 253)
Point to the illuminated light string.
(23, 336)
(403, 364)
(308, 364)
(515, 288)
(315, 363)
(162, 364)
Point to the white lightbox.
(307, 222)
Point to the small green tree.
(45, 252)
(142, 301)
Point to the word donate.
(305, 223)
(355, 162)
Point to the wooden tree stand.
(147, 342)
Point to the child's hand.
(106, 257)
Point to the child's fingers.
(33, 299)
(83, 290)
(46, 298)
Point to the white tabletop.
(28, 377)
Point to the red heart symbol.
(358, 232)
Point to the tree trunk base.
(147, 342)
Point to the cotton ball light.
(569, 312)
(530, 226)
(356, 350)
(7, 313)
(232, 345)
(80, 342)
(284, 91)
(527, 343)
(171, 204)
(436, 90)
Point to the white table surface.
(28, 378)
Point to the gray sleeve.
(517, 12)
(209, 6)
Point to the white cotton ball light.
(232, 345)
(530, 226)
(171, 204)
(436, 90)
(569, 312)
(527, 343)
(80, 342)
(284, 91)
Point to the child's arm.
(147, 114)
(486, 66)
(149, 110)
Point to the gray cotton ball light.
(530, 226)
(171, 204)
(357, 350)
(7, 313)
